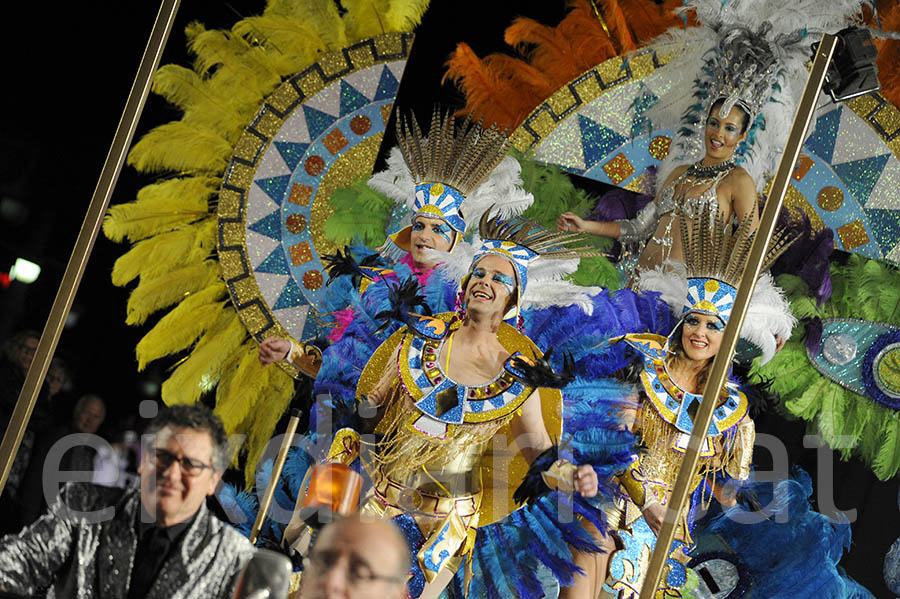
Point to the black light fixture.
(852, 71)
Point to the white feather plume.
(502, 189)
(546, 285)
(691, 45)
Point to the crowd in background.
(68, 432)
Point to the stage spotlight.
(852, 71)
(25, 271)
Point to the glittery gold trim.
(501, 466)
(584, 89)
(276, 109)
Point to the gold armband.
(634, 483)
(344, 447)
(306, 357)
(560, 476)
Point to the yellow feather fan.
(173, 221)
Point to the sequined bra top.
(690, 206)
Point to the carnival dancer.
(670, 374)
(744, 92)
(433, 178)
(448, 388)
(714, 180)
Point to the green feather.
(886, 462)
(359, 212)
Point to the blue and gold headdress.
(521, 242)
(715, 255)
(447, 166)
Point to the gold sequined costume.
(439, 460)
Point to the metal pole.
(86, 237)
(276, 474)
(722, 361)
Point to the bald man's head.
(357, 557)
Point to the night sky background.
(64, 88)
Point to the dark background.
(65, 88)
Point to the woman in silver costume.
(714, 180)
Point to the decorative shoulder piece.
(429, 327)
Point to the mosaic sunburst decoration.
(276, 112)
(320, 130)
(848, 178)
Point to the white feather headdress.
(778, 35)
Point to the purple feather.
(814, 336)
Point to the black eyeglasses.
(359, 573)
(164, 460)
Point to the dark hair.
(745, 121)
(197, 417)
(676, 352)
(12, 345)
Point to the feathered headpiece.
(445, 169)
(715, 256)
(707, 282)
(752, 54)
(521, 242)
(745, 68)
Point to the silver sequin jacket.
(77, 556)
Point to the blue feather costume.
(542, 533)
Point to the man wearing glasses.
(355, 558)
(160, 541)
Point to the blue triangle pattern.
(291, 152)
(312, 331)
(860, 176)
(317, 121)
(822, 139)
(640, 124)
(270, 226)
(275, 264)
(597, 141)
(275, 187)
(351, 99)
(885, 227)
(387, 86)
(291, 297)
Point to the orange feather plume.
(888, 50)
(505, 89)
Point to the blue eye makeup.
(444, 231)
(498, 277)
(715, 325)
(505, 280)
(712, 325)
(418, 226)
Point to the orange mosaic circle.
(295, 223)
(312, 280)
(360, 124)
(830, 198)
(314, 165)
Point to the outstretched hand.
(569, 222)
(273, 349)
